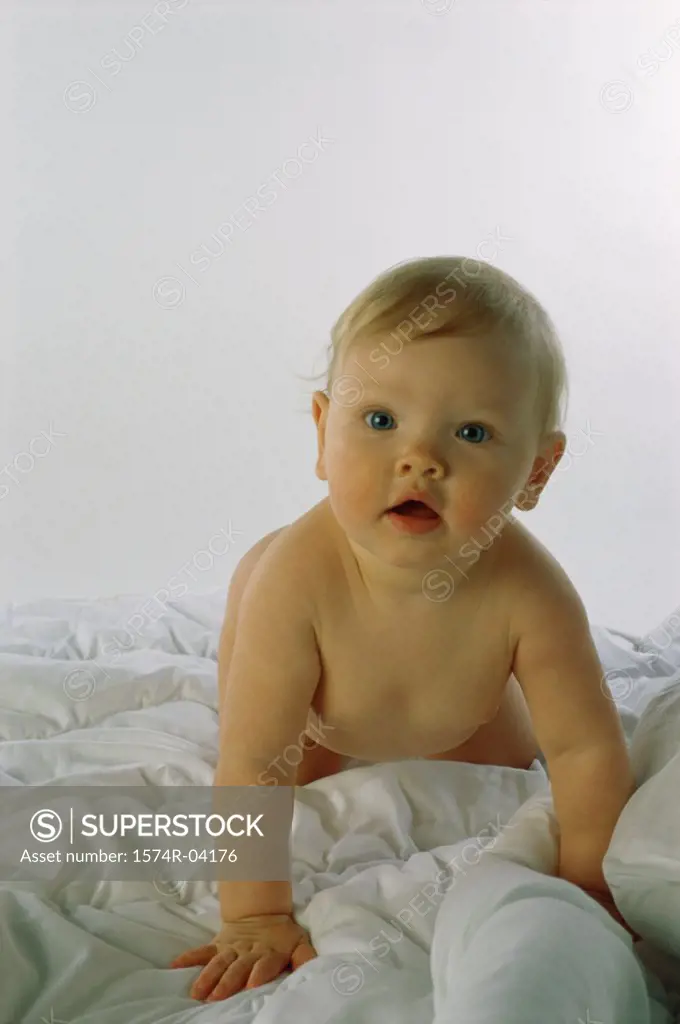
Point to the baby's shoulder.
(536, 581)
(530, 569)
(290, 560)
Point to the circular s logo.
(617, 685)
(46, 826)
(616, 97)
(438, 585)
(168, 887)
(347, 390)
(169, 292)
(347, 979)
(80, 97)
(79, 684)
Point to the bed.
(95, 693)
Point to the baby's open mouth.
(414, 510)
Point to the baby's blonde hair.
(481, 300)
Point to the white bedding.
(89, 695)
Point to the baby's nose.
(421, 463)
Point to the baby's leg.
(318, 762)
(507, 739)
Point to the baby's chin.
(451, 542)
(406, 544)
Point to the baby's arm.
(268, 671)
(577, 725)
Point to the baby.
(409, 613)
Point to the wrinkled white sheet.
(88, 696)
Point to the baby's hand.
(247, 953)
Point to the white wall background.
(132, 135)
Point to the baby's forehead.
(442, 369)
(444, 399)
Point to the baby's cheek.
(469, 506)
(351, 483)
(475, 504)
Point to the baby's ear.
(544, 465)
(320, 404)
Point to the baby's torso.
(413, 680)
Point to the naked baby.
(410, 613)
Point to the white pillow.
(642, 864)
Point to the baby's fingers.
(233, 978)
(267, 968)
(302, 954)
(194, 957)
(211, 975)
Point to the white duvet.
(424, 891)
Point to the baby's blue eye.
(379, 420)
(471, 431)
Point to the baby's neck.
(437, 584)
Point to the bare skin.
(365, 704)
(363, 635)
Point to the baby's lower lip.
(412, 524)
